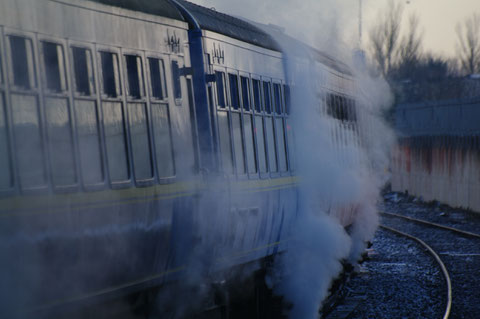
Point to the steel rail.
(425, 222)
(438, 260)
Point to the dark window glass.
(278, 100)
(288, 98)
(267, 97)
(220, 81)
(83, 71)
(22, 62)
(335, 107)
(54, 66)
(256, 95)
(110, 74)
(245, 93)
(157, 78)
(134, 76)
(177, 89)
(234, 96)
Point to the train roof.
(164, 8)
(300, 48)
(210, 19)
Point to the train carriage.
(141, 142)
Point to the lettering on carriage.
(218, 54)
(173, 42)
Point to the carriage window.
(288, 98)
(267, 97)
(256, 95)
(157, 78)
(83, 69)
(245, 93)
(220, 80)
(234, 96)
(23, 71)
(177, 89)
(134, 76)
(54, 66)
(110, 74)
(278, 102)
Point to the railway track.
(459, 251)
(438, 260)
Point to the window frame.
(65, 94)
(34, 91)
(93, 97)
(121, 98)
(141, 86)
(178, 100)
(167, 99)
(272, 116)
(225, 109)
(229, 71)
(164, 59)
(144, 99)
(5, 89)
(261, 113)
(63, 44)
(250, 113)
(35, 68)
(94, 78)
(119, 95)
(283, 115)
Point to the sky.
(438, 18)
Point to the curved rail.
(424, 222)
(439, 261)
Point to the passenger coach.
(141, 142)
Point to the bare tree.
(385, 35)
(410, 46)
(468, 45)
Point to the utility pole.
(360, 23)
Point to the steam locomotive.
(142, 143)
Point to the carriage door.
(183, 117)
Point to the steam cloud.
(332, 176)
